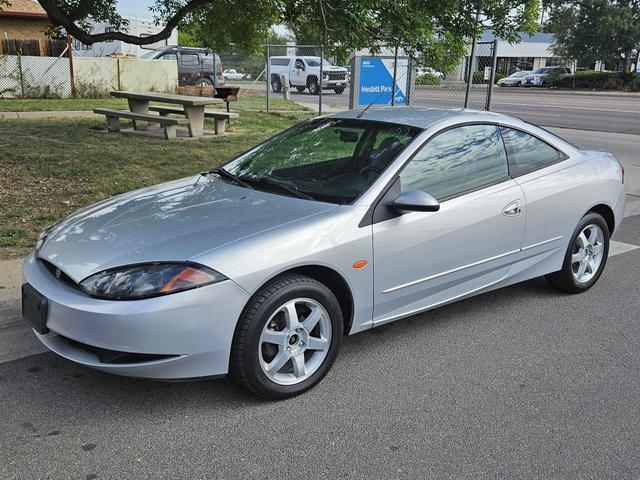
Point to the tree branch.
(59, 18)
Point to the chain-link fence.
(49, 69)
(283, 78)
(469, 86)
(388, 77)
(303, 76)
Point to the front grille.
(115, 357)
(59, 274)
(337, 76)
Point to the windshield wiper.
(221, 172)
(286, 188)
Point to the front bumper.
(334, 83)
(184, 335)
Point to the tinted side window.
(190, 59)
(527, 153)
(169, 56)
(457, 161)
(279, 61)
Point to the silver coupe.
(258, 268)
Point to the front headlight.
(135, 282)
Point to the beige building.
(23, 20)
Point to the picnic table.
(193, 107)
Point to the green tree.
(593, 30)
(437, 29)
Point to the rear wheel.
(276, 84)
(586, 256)
(287, 338)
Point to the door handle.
(513, 209)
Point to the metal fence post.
(20, 73)
(268, 79)
(492, 76)
(472, 56)
(353, 81)
(71, 75)
(321, 77)
(395, 74)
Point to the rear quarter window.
(528, 153)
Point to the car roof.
(421, 117)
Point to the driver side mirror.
(415, 201)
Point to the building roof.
(538, 37)
(23, 8)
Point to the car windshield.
(332, 160)
(519, 74)
(543, 70)
(315, 62)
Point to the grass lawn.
(49, 168)
(57, 104)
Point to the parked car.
(233, 75)
(332, 227)
(424, 70)
(537, 78)
(304, 73)
(515, 79)
(195, 65)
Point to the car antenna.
(369, 106)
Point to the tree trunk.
(627, 61)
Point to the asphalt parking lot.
(519, 383)
(596, 112)
(523, 382)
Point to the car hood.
(170, 222)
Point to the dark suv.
(196, 66)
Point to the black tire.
(338, 90)
(312, 85)
(564, 280)
(276, 84)
(300, 89)
(244, 361)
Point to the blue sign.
(376, 79)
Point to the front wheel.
(338, 90)
(300, 89)
(312, 85)
(287, 337)
(586, 256)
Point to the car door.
(424, 259)
(557, 193)
(297, 75)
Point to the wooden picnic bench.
(168, 123)
(220, 117)
(192, 107)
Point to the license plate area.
(35, 308)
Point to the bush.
(593, 80)
(428, 79)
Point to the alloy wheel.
(588, 252)
(295, 341)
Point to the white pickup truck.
(304, 72)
